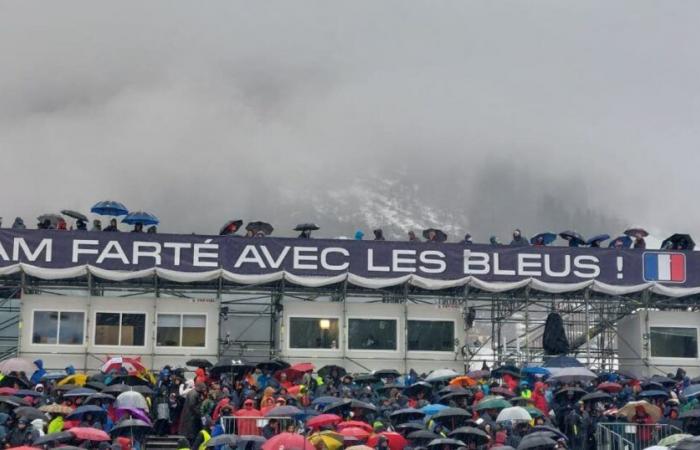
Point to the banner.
(326, 257)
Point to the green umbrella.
(493, 403)
(673, 439)
(534, 412)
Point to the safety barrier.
(631, 436)
(231, 423)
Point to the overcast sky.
(543, 114)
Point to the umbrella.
(452, 417)
(621, 242)
(235, 367)
(223, 439)
(441, 375)
(56, 409)
(395, 440)
(346, 405)
(415, 388)
(550, 431)
(6, 390)
(492, 403)
(433, 409)
(29, 412)
(230, 227)
(535, 371)
(388, 387)
(653, 394)
(463, 381)
(575, 392)
(534, 412)
(356, 432)
(133, 425)
(693, 413)
(109, 208)
(287, 441)
(691, 391)
(359, 447)
(199, 362)
(89, 434)
(502, 391)
(544, 238)
(367, 378)
(470, 434)
(678, 242)
(572, 237)
(272, 365)
(96, 385)
(74, 214)
(307, 226)
(636, 232)
(446, 442)
(478, 374)
(630, 409)
(117, 363)
(406, 415)
(409, 427)
(135, 413)
(514, 414)
(142, 217)
(507, 369)
(284, 411)
(597, 396)
(323, 420)
(302, 367)
(326, 400)
(572, 374)
(561, 362)
(326, 370)
(80, 392)
(422, 435)
(85, 409)
(354, 424)
(17, 365)
(536, 440)
(384, 373)
(260, 227)
(11, 381)
(664, 381)
(609, 387)
(61, 436)
(691, 443)
(54, 219)
(596, 240)
(131, 399)
(245, 439)
(674, 439)
(331, 440)
(133, 381)
(440, 235)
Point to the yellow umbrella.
(331, 439)
(79, 378)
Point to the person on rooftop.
(412, 236)
(112, 226)
(96, 225)
(379, 235)
(518, 239)
(138, 228)
(80, 225)
(18, 224)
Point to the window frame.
(433, 319)
(145, 329)
(182, 314)
(288, 332)
(58, 327)
(685, 358)
(398, 334)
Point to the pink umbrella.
(287, 441)
(89, 434)
(133, 366)
(17, 365)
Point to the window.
(431, 335)
(58, 327)
(313, 332)
(372, 334)
(181, 330)
(125, 329)
(674, 342)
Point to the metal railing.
(231, 424)
(631, 436)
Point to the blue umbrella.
(109, 208)
(547, 238)
(596, 240)
(621, 241)
(575, 239)
(533, 371)
(141, 217)
(86, 409)
(691, 391)
(430, 410)
(325, 400)
(653, 393)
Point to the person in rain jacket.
(247, 426)
(39, 372)
(359, 234)
(18, 224)
(200, 375)
(518, 239)
(23, 434)
(379, 235)
(55, 425)
(189, 419)
(539, 398)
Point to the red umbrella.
(287, 441)
(609, 387)
(303, 367)
(89, 434)
(133, 366)
(7, 390)
(395, 440)
(354, 423)
(323, 420)
(356, 432)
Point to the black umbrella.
(51, 438)
(223, 439)
(572, 236)
(273, 365)
(536, 440)
(230, 227)
(446, 443)
(420, 386)
(80, 392)
(678, 242)
(29, 412)
(385, 373)
(100, 396)
(250, 442)
(506, 369)
(74, 214)
(406, 415)
(13, 401)
(326, 371)
(470, 434)
(96, 385)
(445, 399)
(636, 232)
(307, 227)
(652, 386)
(576, 392)
(10, 381)
(131, 380)
(693, 413)
(65, 387)
(131, 425)
(422, 436)
(452, 417)
(438, 236)
(365, 378)
(347, 405)
(54, 219)
(596, 396)
(119, 388)
(233, 367)
(199, 362)
(409, 427)
(388, 387)
(664, 381)
(549, 431)
(260, 227)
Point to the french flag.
(664, 267)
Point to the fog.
(544, 115)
